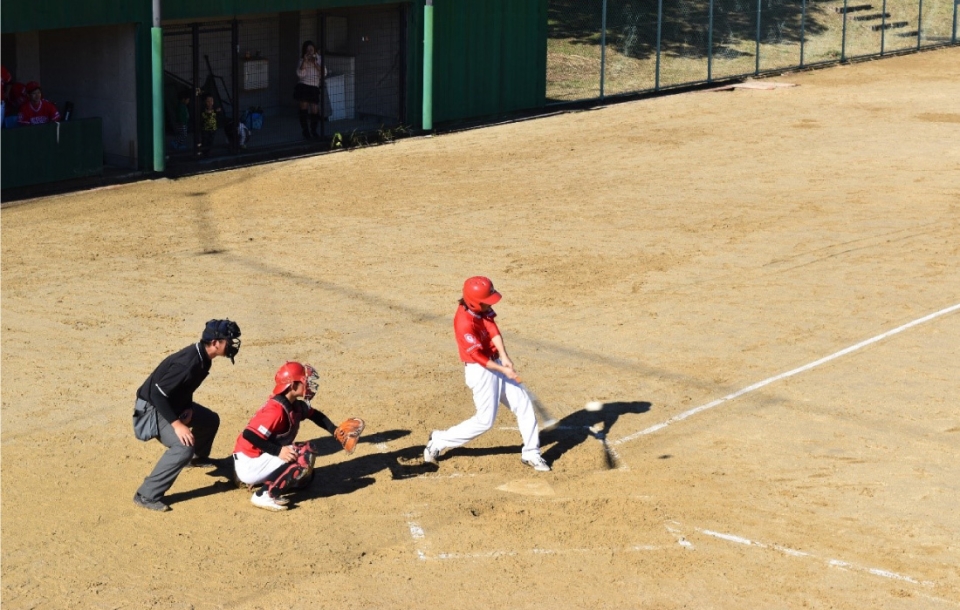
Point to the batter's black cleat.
(155, 505)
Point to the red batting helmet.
(479, 290)
(287, 375)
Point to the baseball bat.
(547, 421)
(609, 458)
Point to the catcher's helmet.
(287, 375)
(223, 329)
(479, 290)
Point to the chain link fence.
(599, 48)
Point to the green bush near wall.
(49, 153)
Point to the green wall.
(68, 150)
(26, 16)
(490, 57)
(203, 9)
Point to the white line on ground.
(836, 563)
(493, 554)
(515, 429)
(806, 367)
(416, 532)
(681, 540)
(455, 475)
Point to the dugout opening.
(249, 67)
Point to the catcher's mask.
(223, 329)
(313, 383)
(287, 375)
(479, 290)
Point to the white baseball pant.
(253, 471)
(489, 390)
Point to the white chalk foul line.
(494, 554)
(791, 373)
(835, 563)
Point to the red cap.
(32, 85)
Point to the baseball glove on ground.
(348, 433)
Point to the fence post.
(195, 39)
(235, 89)
(757, 54)
(603, 46)
(656, 86)
(843, 38)
(883, 28)
(710, 45)
(324, 92)
(920, 22)
(803, 29)
(956, 4)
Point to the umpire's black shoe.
(201, 462)
(156, 505)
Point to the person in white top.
(310, 72)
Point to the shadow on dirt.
(580, 425)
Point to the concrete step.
(889, 26)
(872, 16)
(853, 8)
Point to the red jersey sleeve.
(268, 420)
(492, 330)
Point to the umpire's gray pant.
(204, 426)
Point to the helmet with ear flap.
(226, 330)
(287, 375)
(479, 290)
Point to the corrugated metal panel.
(73, 149)
(25, 16)
(209, 9)
(490, 57)
(21, 16)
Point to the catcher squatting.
(266, 452)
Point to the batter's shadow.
(354, 473)
(575, 428)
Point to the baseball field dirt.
(761, 286)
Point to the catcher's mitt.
(348, 433)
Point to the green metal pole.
(428, 65)
(156, 47)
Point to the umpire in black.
(165, 410)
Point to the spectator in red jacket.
(36, 110)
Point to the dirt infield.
(658, 256)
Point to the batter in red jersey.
(265, 452)
(489, 373)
